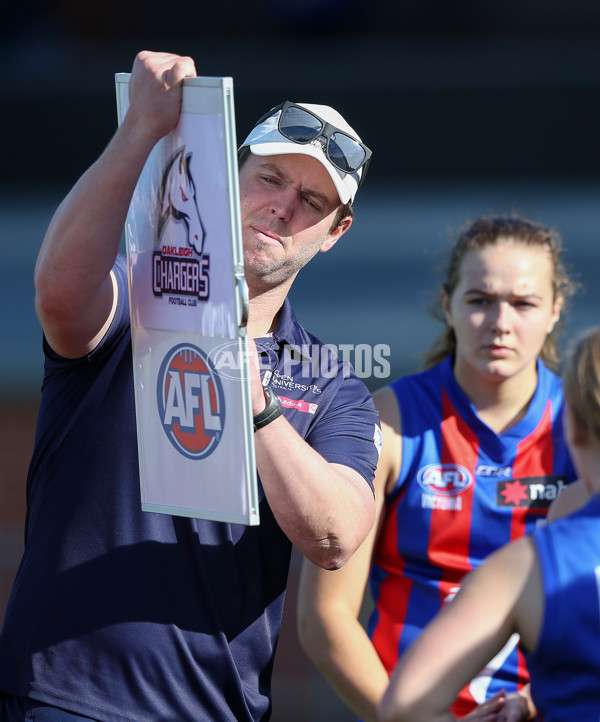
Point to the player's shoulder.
(572, 497)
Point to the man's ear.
(334, 236)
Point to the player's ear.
(556, 310)
(445, 301)
(334, 236)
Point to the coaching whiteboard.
(188, 312)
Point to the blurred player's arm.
(330, 601)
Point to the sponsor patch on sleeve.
(298, 404)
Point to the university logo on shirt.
(191, 402)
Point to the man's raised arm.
(75, 295)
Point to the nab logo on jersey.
(191, 403)
(444, 479)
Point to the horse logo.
(177, 200)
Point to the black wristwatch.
(271, 412)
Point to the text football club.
(191, 402)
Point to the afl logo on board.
(191, 402)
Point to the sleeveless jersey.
(565, 666)
(463, 491)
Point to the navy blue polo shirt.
(120, 614)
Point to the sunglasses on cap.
(303, 126)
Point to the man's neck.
(264, 310)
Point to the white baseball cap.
(321, 133)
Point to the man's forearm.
(325, 509)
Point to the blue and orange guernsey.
(463, 491)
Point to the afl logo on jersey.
(190, 401)
(445, 479)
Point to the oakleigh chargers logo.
(191, 403)
(181, 267)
